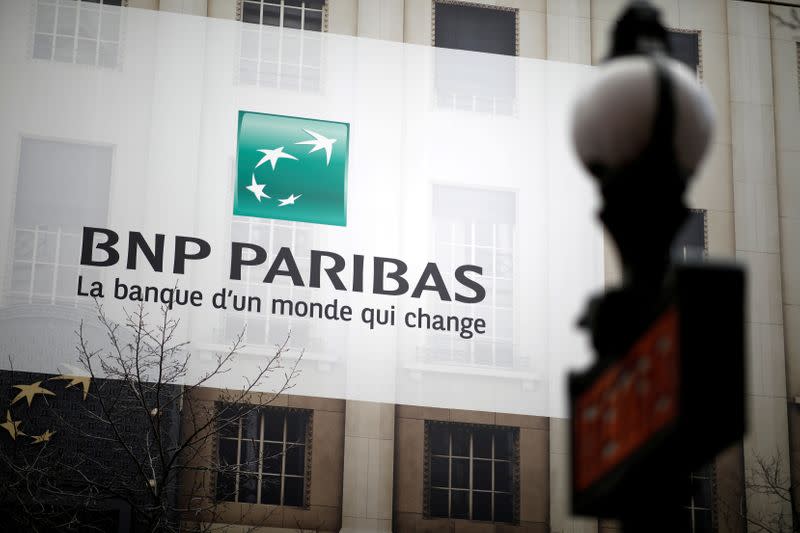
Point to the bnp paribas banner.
(406, 227)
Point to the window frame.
(513, 461)
(451, 102)
(489, 308)
(262, 77)
(704, 213)
(13, 296)
(75, 35)
(251, 284)
(480, 6)
(324, 10)
(699, 34)
(709, 474)
(261, 442)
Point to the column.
(757, 242)
(368, 467)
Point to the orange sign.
(628, 402)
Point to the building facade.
(367, 466)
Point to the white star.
(273, 155)
(257, 189)
(290, 200)
(319, 143)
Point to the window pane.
(313, 20)
(66, 20)
(248, 485)
(65, 47)
(109, 28)
(228, 423)
(293, 491)
(295, 459)
(250, 425)
(484, 259)
(68, 252)
(475, 28)
(108, 55)
(248, 460)
(482, 475)
(482, 506)
(440, 471)
(701, 489)
(439, 502)
(227, 452)
(67, 282)
(273, 425)
(86, 52)
(42, 46)
(45, 18)
(505, 267)
(296, 427)
(226, 486)
(256, 333)
(46, 247)
(23, 245)
(504, 354)
(702, 522)
(502, 476)
(483, 351)
(460, 442)
(21, 277)
(439, 439)
(251, 12)
(503, 444)
(89, 23)
(43, 279)
(484, 234)
(272, 15)
(482, 443)
(271, 490)
(459, 507)
(460, 473)
(685, 48)
(273, 457)
(503, 508)
(291, 17)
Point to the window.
(474, 27)
(272, 235)
(282, 60)
(699, 512)
(472, 472)
(263, 455)
(298, 14)
(86, 32)
(461, 85)
(477, 227)
(61, 187)
(690, 242)
(686, 49)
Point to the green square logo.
(291, 168)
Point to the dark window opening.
(472, 472)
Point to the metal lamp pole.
(640, 415)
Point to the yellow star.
(83, 381)
(12, 426)
(44, 437)
(29, 391)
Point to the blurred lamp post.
(640, 414)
